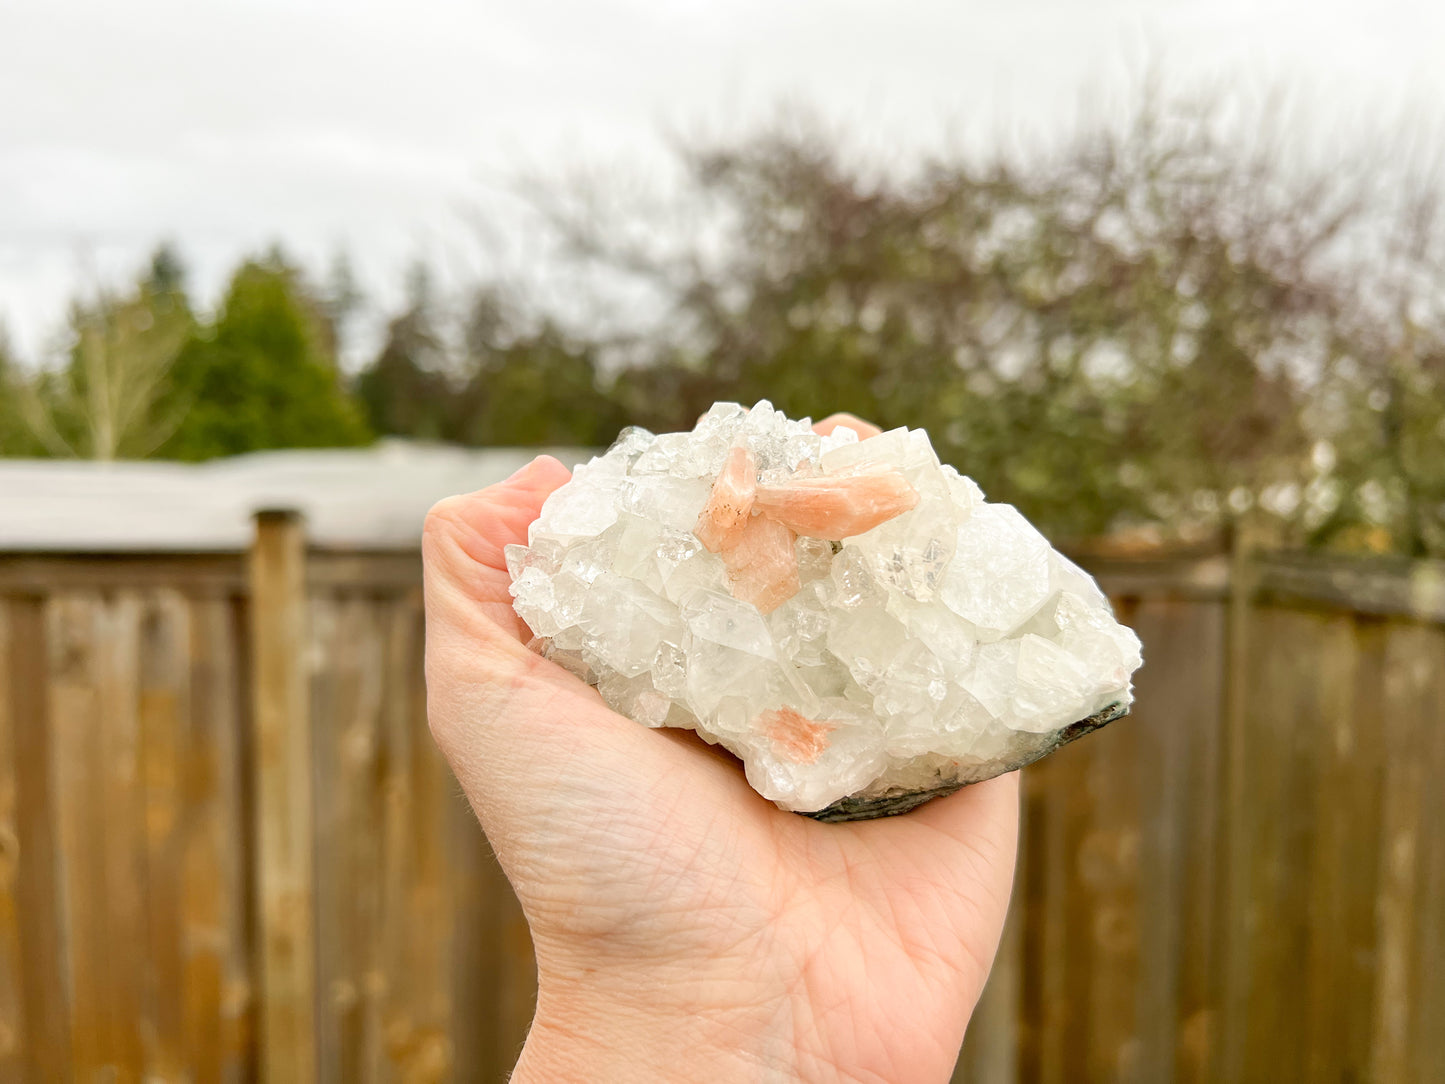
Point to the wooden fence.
(228, 849)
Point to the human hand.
(686, 928)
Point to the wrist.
(637, 1028)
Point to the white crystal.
(999, 576)
(945, 643)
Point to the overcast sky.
(370, 124)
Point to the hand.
(685, 928)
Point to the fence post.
(281, 784)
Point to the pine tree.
(530, 384)
(15, 436)
(343, 300)
(263, 375)
(405, 390)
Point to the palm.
(648, 851)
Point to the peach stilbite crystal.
(838, 506)
(762, 564)
(796, 736)
(725, 515)
(851, 618)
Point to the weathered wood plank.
(12, 1006)
(164, 667)
(1056, 943)
(1428, 997)
(114, 727)
(1346, 812)
(1408, 660)
(1107, 865)
(44, 574)
(203, 887)
(44, 964)
(1232, 891)
(381, 573)
(1176, 722)
(1186, 686)
(336, 1014)
(218, 859)
(401, 1005)
(419, 1013)
(346, 700)
(1278, 817)
(282, 783)
(81, 818)
(1391, 587)
(1203, 579)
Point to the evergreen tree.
(167, 273)
(405, 391)
(343, 300)
(15, 436)
(263, 375)
(530, 385)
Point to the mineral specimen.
(850, 618)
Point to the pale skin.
(685, 928)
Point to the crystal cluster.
(850, 618)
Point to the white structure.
(373, 497)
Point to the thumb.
(464, 543)
(496, 707)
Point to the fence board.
(81, 818)
(43, 575)
(1240, 881)
(1346, 812)
(1110, 863)
(1407, 728)
(1054, 1040)
(218, 852)
(44, 963)
(163, 700)
(1428, 1006)
(343, 714)
(1276, 819)
(115, 721)
(1362, 777)
(419, 1014)
(12, 1020)
(1177, 717)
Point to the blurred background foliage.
(1162, 325)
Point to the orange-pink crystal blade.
(731, 502)
(795, 736)
(837, 506)
(762, 564)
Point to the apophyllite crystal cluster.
(850, 618)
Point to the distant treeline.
(1159, 325)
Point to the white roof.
(371, 497)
